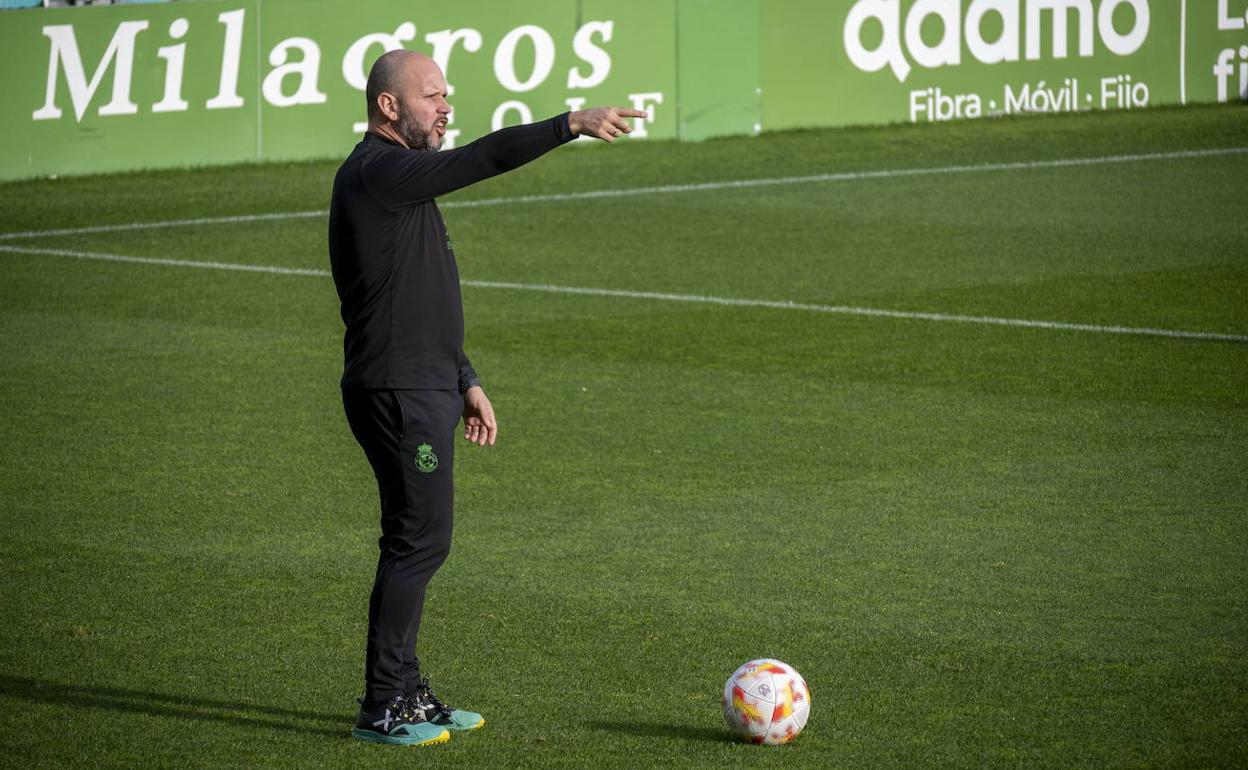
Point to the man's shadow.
(257, 715)
(179, 706)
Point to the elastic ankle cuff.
(373, 701)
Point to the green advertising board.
(880, 61)
(158, 85)
(215, 81)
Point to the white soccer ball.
(766, 701)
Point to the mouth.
(440, 127)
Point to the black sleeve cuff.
(563, 128)
(467, 379)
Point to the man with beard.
(406, 380)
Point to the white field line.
(847, 176)
(167, 262)
(667, 297)
(165, 223)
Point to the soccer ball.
(766, 701)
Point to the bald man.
(406, 380)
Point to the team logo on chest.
(426, 460)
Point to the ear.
(388, 103)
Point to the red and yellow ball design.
(766, 701)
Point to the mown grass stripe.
(846, 176)
(669, 297)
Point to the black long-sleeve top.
(392, 260)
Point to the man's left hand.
(605, 123)
(480, 427)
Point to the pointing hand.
(605, 123)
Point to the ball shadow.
(663, 730)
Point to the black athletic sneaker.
(440, 714)
(398, 722)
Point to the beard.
(415, 135)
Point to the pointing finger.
(629, 113)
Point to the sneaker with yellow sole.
(399, 722)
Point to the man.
(406, 380)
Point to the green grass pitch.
(983, 546)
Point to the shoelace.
(408, 708)
(424, 700)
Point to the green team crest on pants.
(426, 460)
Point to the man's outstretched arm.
(418, 176)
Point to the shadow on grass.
(663, 730)
(158, 704)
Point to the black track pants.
(408, 438)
